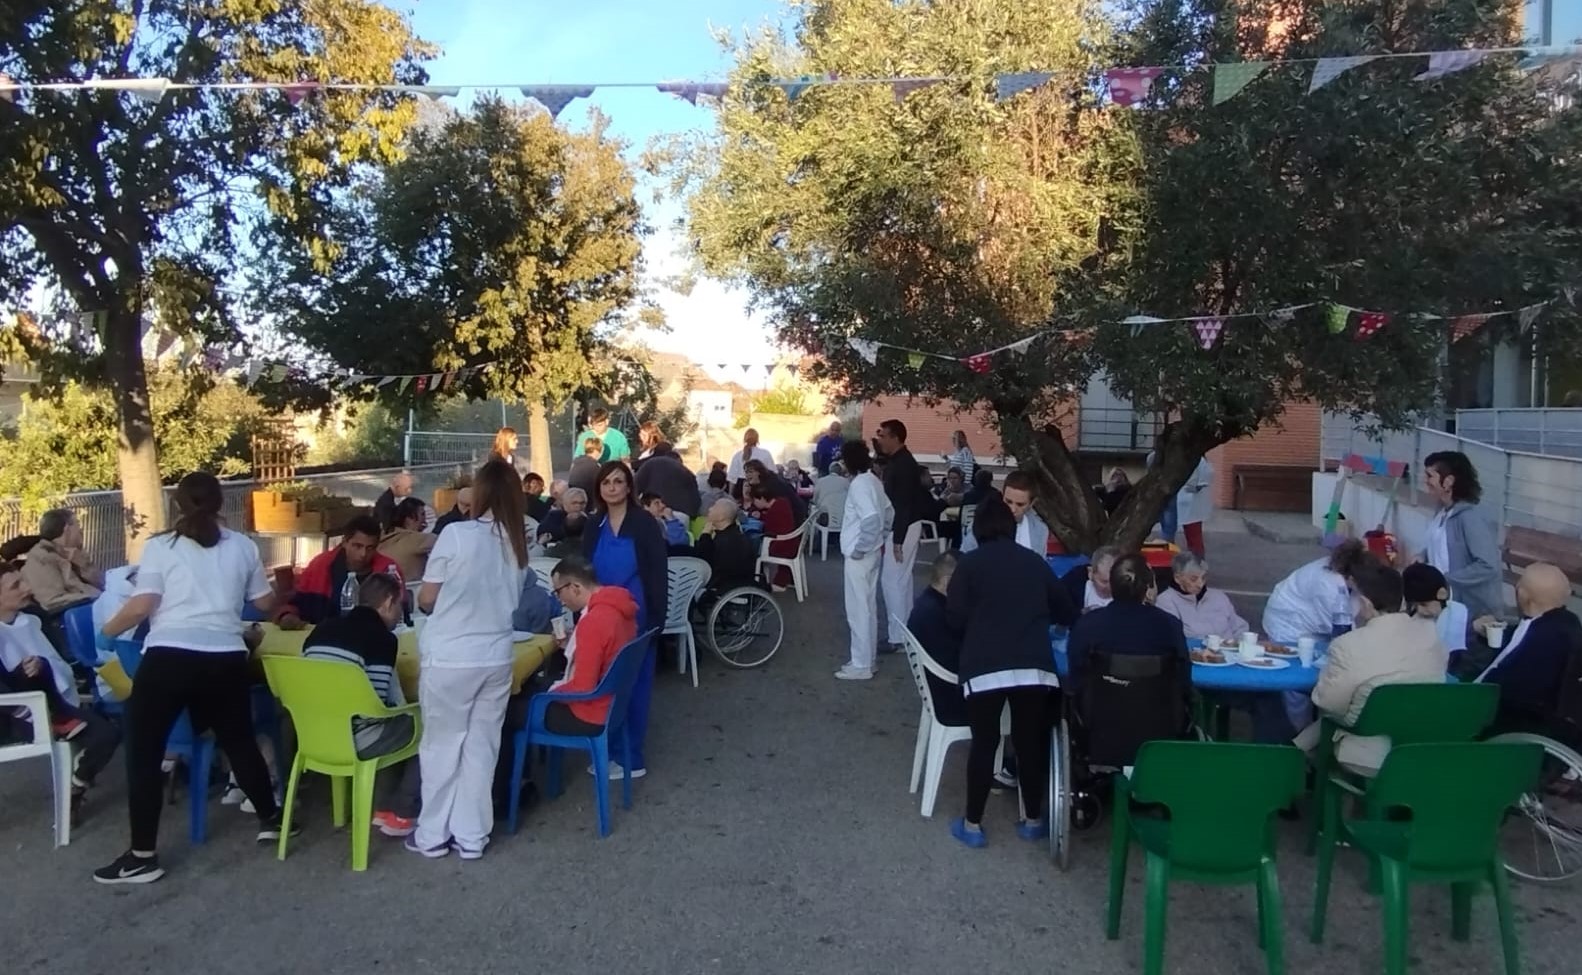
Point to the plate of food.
(1210, 658)
(1280, 651)
(1265, 663)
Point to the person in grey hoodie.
(1463, 539)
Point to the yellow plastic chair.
(323, 696)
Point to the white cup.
(1304, 650)
(1495, 634)
(558, 624)
(1213, 642)
(1251, 649)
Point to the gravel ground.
(773, 834)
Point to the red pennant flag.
(1466, 325)
(1369, 322)
(978, 363)
(1130, 86)
(421, 385)
(295, 93)
(445, 380)
(1208, 330)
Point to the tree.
(957, 223)
(65, 442)
(498, 238)
(131, 208)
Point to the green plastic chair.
(1407, 714)
(323, 696)
(1221, 800)
(1433, 815)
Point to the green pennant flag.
(1335, 317)
(1230, 79)
(915, 360)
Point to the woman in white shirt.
(961, 456)
(470, 587)
(191, 584)
(1316, 599)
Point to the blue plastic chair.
(197, 750)
(1061, 564)
(616, 685)
(80, 640)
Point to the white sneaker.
(849, 672)
(234, 796)
(617, 773)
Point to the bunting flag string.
(1208, 330)
(1129, 86)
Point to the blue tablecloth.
(1232, 678)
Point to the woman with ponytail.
(191, 583)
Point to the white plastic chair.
(688, 576)
(969, 513)
(934, 739)
(795, 563)
(544, 569)
(823, 530)
(44, 744)
(929, 535)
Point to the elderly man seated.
(1539, 663)
(573, 501)
(399, 490)
(730, 554)
(1089, 585)
(57, 570)
(1202, 611)
(460, 511)
(1127, 623)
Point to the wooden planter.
(445, 499)
(276, 514)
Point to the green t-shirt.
(615, 445)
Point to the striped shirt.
(361, 639)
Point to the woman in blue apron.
(627, 548)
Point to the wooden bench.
(1524, 546)
(1271, 487)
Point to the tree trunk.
(540, 456)
(137, 458)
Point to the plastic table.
(528, 654)
(1232, 678)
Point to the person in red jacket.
(318, 588)
(608, 623)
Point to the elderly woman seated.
(1202, 611)
(574, 501)
(730, 554)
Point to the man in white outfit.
(902, 485)
(862, 534)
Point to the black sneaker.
(269, 829)
(1003, 782)
(129, 868)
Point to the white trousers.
(896, 578)
(862, 607)
(463, 710)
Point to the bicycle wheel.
(745, 627)
(1059, 811)
(1541, 839)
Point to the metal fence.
(1103, 429)
(1528, 489)
(1557, 432)
(461, 449)
(103, 519)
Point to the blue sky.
(510, 42)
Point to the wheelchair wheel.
(744, 627)
(1060, 780)
(1541, 839)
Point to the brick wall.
(928, 428)
(1294, 442)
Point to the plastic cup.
(1304, 650)
(1213, 642)
(1251, 649)
(1495, 635)
(558, 624)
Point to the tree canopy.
(954, 222)
(143, 209)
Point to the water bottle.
(349, 594)
(406, 597)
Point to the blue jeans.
(1167, 520)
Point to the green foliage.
(371, 435)
(954, 223)
(497, 238)
(784, 399)
(66, 442)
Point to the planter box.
(445, 499)
(276, 514)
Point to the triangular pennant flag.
(436, 92)
(1570, 293)
(1011, 85)
(278, 374)
(163, 344)
(1526, 317)
(1369, 322)
(1208, 330)
(1335, 317)
(1441, 63)
(1464, 325)
(1130, 86)
(555, 98)
(690, 90)
(1139, 322)
(254, 370)
(791, 370)
(796, 87)
(746, 368)
(722, 366)
(901, 87)
(978, 363)
(445, 380)
(1230, 79)
(405, 382)
(867, 349)
(150, 90)
(1328, 69)
(1019, 348)
(1282, 316)
(914, 360)
(1539, 58)
(295, 93)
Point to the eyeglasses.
(564, 585)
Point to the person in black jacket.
(627, 549)
(533, 492)
(1003, 599)
(731, 556)
(930, 623)
(1540, 663)
(664, 474)
(460, 511)
(903, 485)
(1128, 624)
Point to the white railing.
(1556, 432)
(1529, 490)
(1103, 429)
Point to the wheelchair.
(1128, 699)
(743, 626)
(1541, 838)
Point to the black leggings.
(1031, 710)
(216, 690)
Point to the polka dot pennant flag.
(1130, 86)
(978, 364)
(1208, 330)
(1369, 322)
(421, 385)
(1465, 325)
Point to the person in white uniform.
(470, 587)
(1316, 599)
(1031, 531)
(864, 524)
(1194, 503)
(736, 472)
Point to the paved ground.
(775, 834)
